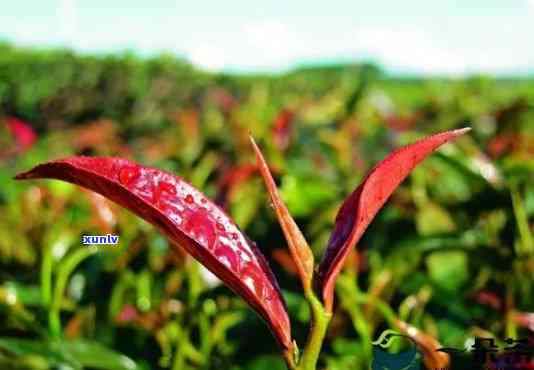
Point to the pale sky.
(428, 37)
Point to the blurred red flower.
(22, 132)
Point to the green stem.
(195, 282)
(319, 325)
(526, 240)
(206, 343)
(179, 358)
(63, 273)
(46, 276)
(116, 302)
(351, 299)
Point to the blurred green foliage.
(452, 252)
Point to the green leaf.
(50, 350)
(433, 219)
(305, 195)
(94, 355)
(75, 354)
(448, 269)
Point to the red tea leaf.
(363, 204)
(298, 247)
(188, 219)
(127, 314)
(283, 129)
(489, 298)
(22, 132)
(230, 182)
(223, 99)
(401, 123)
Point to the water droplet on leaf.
(128, 174)
(200, 227)
(167, 188)
(227, 257)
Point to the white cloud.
(67, 15)
(253, 45)
(407, 48)
(414, 49)
(206, 56)
(271, 35)
(279, 43)
(272, 44)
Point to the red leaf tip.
(298, 246)
(359, 208)
(461, 131)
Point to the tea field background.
(452, 253)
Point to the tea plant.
(193, 222)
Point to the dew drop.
(203, 200)
(269, 293)
(189, 199)
(167, 188)
(156, 193)
(254, 280)
(227, 257)
(128, 174)
(220, 226)
(175, 217)
(276, 308)
(244, 255)
(199, 226)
